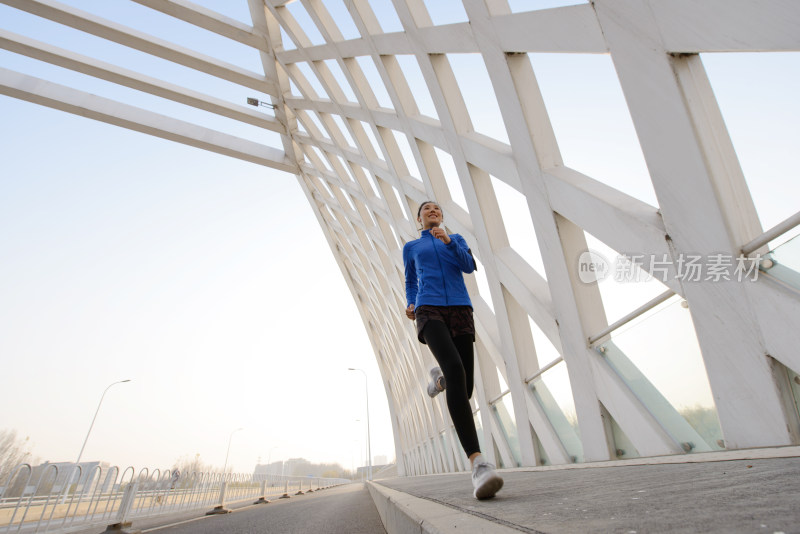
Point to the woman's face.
(430, 215)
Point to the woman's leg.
(455, 357)
(465, 347)
(451, 360)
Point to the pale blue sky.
(207, 281)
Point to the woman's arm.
(411, 276)
(465, 260)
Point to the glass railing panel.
(450, 448)
(658, 356)
(553, 392)
(429, 450)
(479, 428)
(504, 411)
(784, 262)
(446, 454)
(794, 380)
(623, 445)
(543, 458)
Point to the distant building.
(298, 467)
(274, 468)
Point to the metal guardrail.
(776, 231)
(38, 500)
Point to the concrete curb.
(764, 453)
(402, 513)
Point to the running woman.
(438, 300)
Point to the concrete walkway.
(742, 491)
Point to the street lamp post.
(95, 418)
(369, 440)
(224, 467)
(68, 481)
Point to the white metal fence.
(56, 499)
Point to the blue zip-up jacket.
(433, 271)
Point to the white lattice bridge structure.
(374, 118)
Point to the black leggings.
(455, 357)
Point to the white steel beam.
(112, 73)
(533, 142)
(106, 29)
(688, 26)
(209, 20)
(624, 223)
(777, 308)
(94, 107)
(563, 29)
(749, 401)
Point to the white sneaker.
(485, 479)
(437, 384)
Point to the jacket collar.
(427, 231)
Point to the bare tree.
(191, 464)
(13, 451)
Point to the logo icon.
(593, 267)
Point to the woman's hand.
(441, 235)
(410, 312)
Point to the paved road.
(341, 510)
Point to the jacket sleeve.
(411, 275)
(465, 260)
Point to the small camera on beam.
(256, 102)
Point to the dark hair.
(419, 211)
